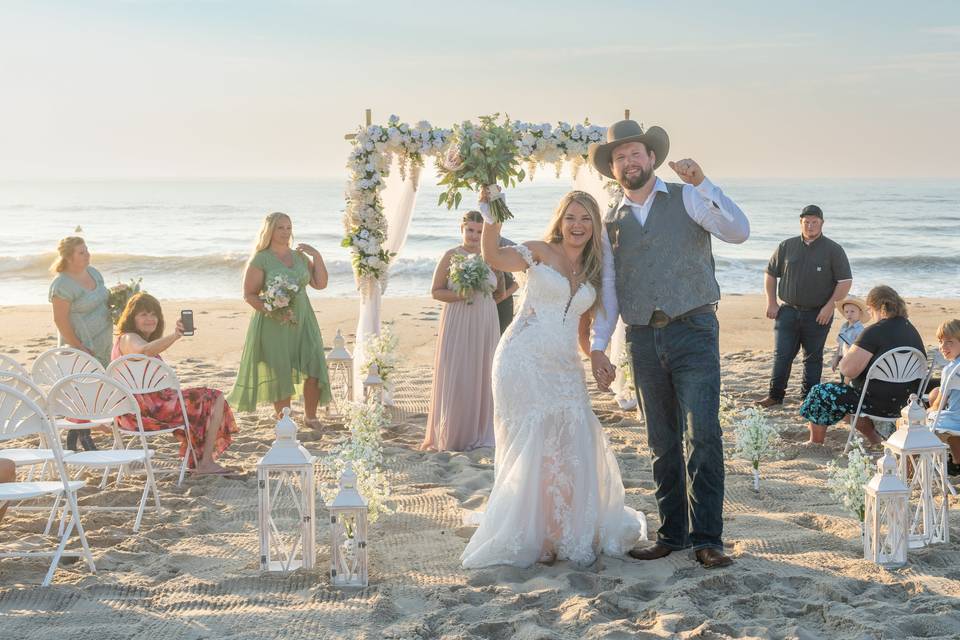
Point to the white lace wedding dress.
(557, 486)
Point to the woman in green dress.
(283, 348)
(80, 312)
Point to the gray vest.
(665, 264)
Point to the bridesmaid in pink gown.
(461, 399)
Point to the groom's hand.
(689, 171)
(603, 371)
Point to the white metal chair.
(57, 363)
(28, 456)
(937, 362)
(144, 374)
(94, 396)
(21, 417)
(949, 383)
(7, 363)
(900, 365)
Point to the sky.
(240, 89)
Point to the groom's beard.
(638, 182)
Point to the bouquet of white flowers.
(469, 275)
(481, 156)
(278, 297)
(847, 483)
(756, 439)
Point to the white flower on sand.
(363, 449)
(846, 483)
(756, 439)
(382, 350)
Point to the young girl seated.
(948, 405)
(856, 313)
(212, 426)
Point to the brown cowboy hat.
(654, 138)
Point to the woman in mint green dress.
(283, 349)
(80, 312)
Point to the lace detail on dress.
(552, 457)
(524, 252)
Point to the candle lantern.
(348, 534)
(286, 488)
(340, 368)
(886, 516)
(922, 466)
(373, 385)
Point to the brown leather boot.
(713, 558)
(650, 553)
(768, 402)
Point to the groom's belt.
(658, 319)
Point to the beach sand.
(193, 572)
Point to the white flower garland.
(375, 146)
(382, 350)
(364, 450)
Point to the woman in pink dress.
(212, 426)
(461, 399)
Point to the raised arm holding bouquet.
(478, 157)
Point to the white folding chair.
(950, 383)
(28, 456)
(94, 396)
(20, 417)
(937, 363)
(143, 374)
(900, 365)
(7, 363)
(57, 363)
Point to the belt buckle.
(659, 319)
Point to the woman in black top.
(828, 403)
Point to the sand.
(193, 572)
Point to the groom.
(658, 272)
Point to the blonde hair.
(266, 230)
(886, 299)
(593, 252)
(65, 249)
(949, 329)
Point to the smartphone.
(186, 318)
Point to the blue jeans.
(794, 329)
(677, 374)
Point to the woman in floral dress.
(283, 349)
(140, 330)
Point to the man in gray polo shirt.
(814, 273)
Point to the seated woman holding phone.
(140, 331)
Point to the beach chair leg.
(53, 512)
(75, 511)
(143, 505)
(56, 556)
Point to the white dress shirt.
(706, 205)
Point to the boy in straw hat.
(661, 280)
(856, 313)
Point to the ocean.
(190, 239)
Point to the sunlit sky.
(205, 88)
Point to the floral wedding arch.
(385, 163)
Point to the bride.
(557, 492)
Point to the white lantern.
(886, 516)
(348, 534)
(340, 369)
(373, 385)
(922, 466)
(286, 486)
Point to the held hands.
(178, 330)
(603, 370)
(689, 171)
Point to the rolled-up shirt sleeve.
(775, 266)
(840, 265)
(606, 319)
(710, 207)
